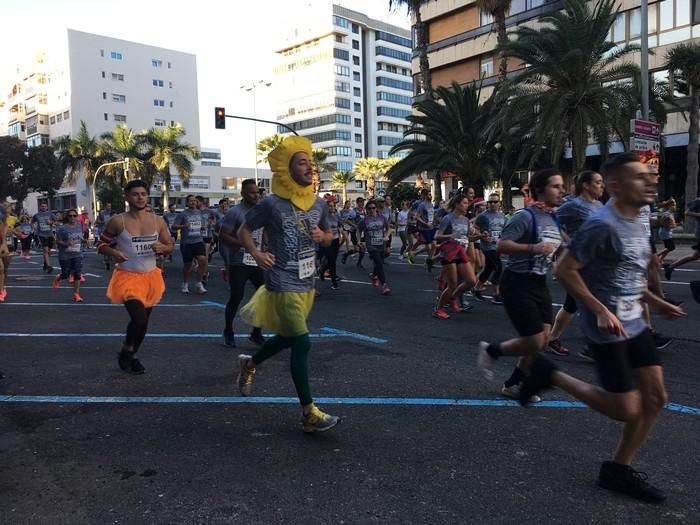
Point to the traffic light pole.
(261, 120)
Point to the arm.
(265, 260)
(104, 245)
(508, 247)
(3, 238)
(164, 245)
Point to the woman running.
(69, 239)
(401, 227)
(23, 232)
(329, 254)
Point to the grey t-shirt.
(195, 222)
(695, 207)
(67, 233)
(492, 222)
(374, 229)
(425, 211)
(451, 223)
(665, 233)
(288, 235)
(334, 224)
(615, 253)
(574, 212)
(237, 255)
(43, 226)
(170, 218)
(209, 219)
(519, 229)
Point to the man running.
(295, 220)
(240, 264)
(209, 220)
(375, 231)
(357, 215)
(43, 223)
(136, 281)
(529, 239)
(692, 210)
(605, 270)
(191, 224)
(102, 219)
(425, 216)
(69, 239)
(491, 222)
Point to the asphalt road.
(422, 440)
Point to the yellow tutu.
(283, 313)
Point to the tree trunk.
(345, 193)
(437, 197)
(421, 28)
(502, 37)
(691, 169)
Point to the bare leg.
(561, 321)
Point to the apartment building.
(345, 83)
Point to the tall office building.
(344, 81)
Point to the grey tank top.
(138, 249)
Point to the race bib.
(431, 216)
(195, 228)
(44, 227)
(629, 307)
(143, 246)
(74, 248)
(249, 260)
(495, 235)
(307, 263)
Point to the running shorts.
(207, 240)
(453, 253)
(190, 251)
(527, 301)
(669, 244)
(570, 306)
(46, 242)
(73, 266)
(427, 236)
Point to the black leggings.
(331, 255)
(26, 244)
(492, 265)
(137, 327)
(377, 257)
(237, 277)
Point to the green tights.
(299, 365)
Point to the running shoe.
(57, 282)
(497, 299)
(557, 348)
(317, 421)
(224, 275)
(478, 295)
(440, 313)
(334, 285)
(125, 358)
(661, 341)
(185, 288)
(3, 294)
(375, 282)
(344, 258)
(200, 288)
(385, 289)
(410, 258)
(229, 339)
(626, 480)
(137, 367)
(77, 298)
(540, 379)
(456, 307)
(587, 354)
(49, 269)
(256, 338)
(465, 305)
(668, 271)
(326, 274)
(513, 392)
(245, 375)
(484, 361)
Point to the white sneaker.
(201, 289)
(513, 392)
(185, 288)
(485, 362)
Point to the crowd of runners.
(289, 242)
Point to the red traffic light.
(220, 118)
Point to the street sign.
(645, 144)
(645, 128)
(381, 193)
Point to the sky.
(234, 43)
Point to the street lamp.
(251, 87)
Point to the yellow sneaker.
(245, 375)
(317, 420)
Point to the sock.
(494, 351)
(515, 378)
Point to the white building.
(345, 83)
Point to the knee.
(536, 343)
(654, 403)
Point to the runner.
(347, 227)
(136, 280)
(191, 224)
(4, 253)
(102, 218)
(375, 230)
(12, 221)
(169, 218)
(329, 254)
(69, 239)
(529, 239)
(85, 224)
(425, 215)
(605, 270)
(240, 264)
(23, 232)
(357, 215)
(295, 220)
(209, 220)
(43, 223)
(589, 188)
(219, 214)
(491, 223)
(401, 228)
(454, 235)
(692, 210)
(667, 222)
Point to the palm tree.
(498, 9)
(341, 179)
(448, 134)
(684, 63)
(121, 144)
(166, 150)
(320, 166)
(371, 170)
(572, 84)
(266, 145)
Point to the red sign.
(645, 127)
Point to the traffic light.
(219, 118)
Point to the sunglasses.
(371, 207)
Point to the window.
(104, 95)
(117, 77)
(356, 60)
(340, 21)
(358, 123)
(156, 63)
(393, 97)
(355, 28)
(52, 120)
(114, 55)
(159, 123)
(159, 102)
(339, 38)
(356, 76)
(356, 44)
(358, 153)
(342, 54)
(121, 119)
(486, 66)
(486, 19)
(121, 99)
(170, 65)
(390, 126)
(394, 39)
(343, 166)
(316, 122)
(157, 83)
(228, 183)
(391, 82)
(356, 92)
(618, 28)
(393, 112)
(342, 86)
(357, 107)
(171, 103)
(358, 137)
(636, 23)
(341, 102)
(210, 163)
(329, 135)
(393, 53)
(103, 74)
(343, 71)
(388, 141)
(102, 52)
(106, 116)
(66, 115)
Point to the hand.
(544, 248)
(119, 256)
(609, 324)
(159, 247)
(669, 310)
(317, 234)
(265, 260)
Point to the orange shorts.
(148, 288)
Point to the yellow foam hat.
(303, 197)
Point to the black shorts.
(411, 229)
(527, 301)
(570, 304)
(190, 251)
(46, 242)
(669, 244)
(207, 240)
(615, 361)
(652, 244)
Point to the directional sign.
(644, 144)
(645, 128)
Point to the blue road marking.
(363, 401)
(361, 337)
